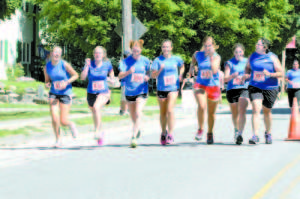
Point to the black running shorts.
(233, 95)
(293, 92)
(268, 96)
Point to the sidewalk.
(109, 111)
(19, 123)
(86, 131)
(106, 109)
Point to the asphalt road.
(187, 169)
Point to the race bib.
(98, 85)
(169, 80)
(259, 76)
(136, 77)
(237, 80)
(206, 74)
(58, 85)
(296, 85)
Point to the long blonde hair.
(56, 47)
(238, 45)
(136, 42)
(104, 52)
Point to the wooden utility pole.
(126, 23)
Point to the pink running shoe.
(199, 135)
(163, 138)
(100, 140)
(170, 139)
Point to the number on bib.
(58, 85)
(237, 80)
(170, 80)
(98, 85)
(206, 74)
(259, 76)
(139, 78)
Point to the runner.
(58, 77)
(265, 70)
(187, 83)
(135, 69)
(293, 80)
(123, 105)
(165, 69)
(237, 93)
(98, 93)
(207, 89)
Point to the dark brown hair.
(209, 38)
(167, 40)
(266, 43)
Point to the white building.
(19, 40)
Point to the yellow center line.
(290, 188)
(275, 179)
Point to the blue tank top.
(134, 83)
(294, 76)
(237, 66)
(205, 75)
(98, 77)
(168, 79)
(57, 75)
(258, 64)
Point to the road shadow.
(279, 111)
(93, 147)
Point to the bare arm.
(124, 74)
(111, 76)
(85, 71)
(47, 78)
(215, 63)
(278, 68)
(287, 79)
(71, 71)
(247, 72)
(192, 65)
(227, 76)
(248, 68)
(183, 83)
(181, 71)
(156, 73)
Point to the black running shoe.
(210, 138)
(239, 139)
(268, 138)
(254, 140)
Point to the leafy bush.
(15, 71)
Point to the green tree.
(82, 24)
(8, 7)
(85, 24)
